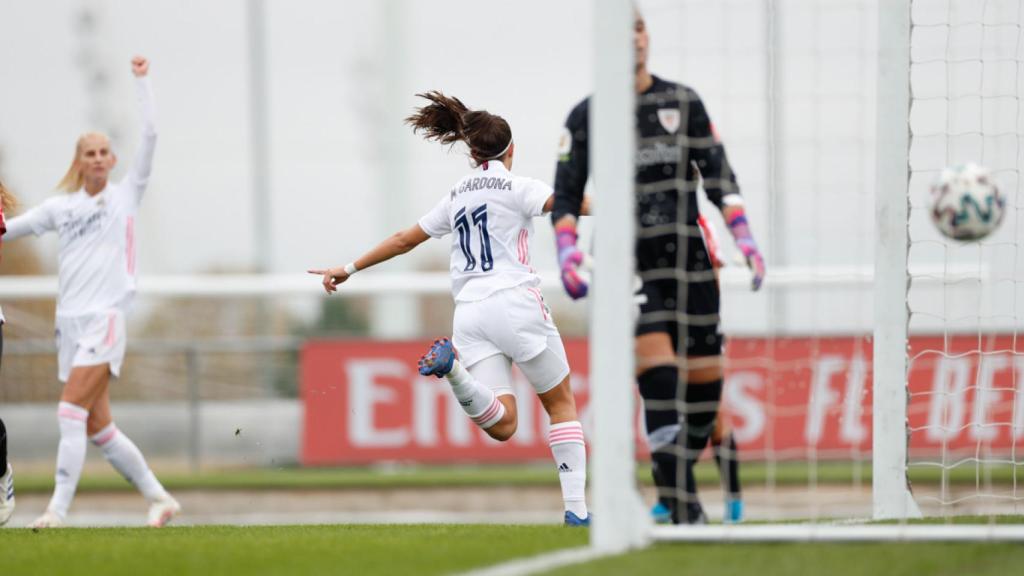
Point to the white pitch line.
(541, 563)
(93, 519)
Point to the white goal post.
(890, 494)
(622, 522)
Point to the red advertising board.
(790, 397)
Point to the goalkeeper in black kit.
(678, 344)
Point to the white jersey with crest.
(489, 214)
(96, 258)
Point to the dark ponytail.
(447, 120)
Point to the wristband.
(350, 268)
(739, 218)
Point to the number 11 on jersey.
(462, 224)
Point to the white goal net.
(966, 401)
(837, 117)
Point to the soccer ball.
(966, 204)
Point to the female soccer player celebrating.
(95, 223)
(7, 202)
(678, 345)
(500, 315)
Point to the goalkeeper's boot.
(661, 513)
(439, 360)
(733, 511)
(6, 495)
(161, 511)
(49, 519)
(571, 519)
(693, 513)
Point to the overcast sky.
(344, 172)
(341, 77)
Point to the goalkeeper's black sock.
(3, 448)
(701, 409)
(728, 462)
(658, 388)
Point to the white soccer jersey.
(490, 215)
(96, 260)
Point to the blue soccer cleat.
(661, 514)
(439, 360)
(573, 520)
(733, 511)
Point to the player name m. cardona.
(481, 184)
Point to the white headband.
(500, 154)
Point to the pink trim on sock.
(489, 413)
(578, 439)
(105, 436)
(72, 412)
(566, 433)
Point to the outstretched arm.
(142, 166)
(396, 244)
(35, 221)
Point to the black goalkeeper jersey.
(674, 133)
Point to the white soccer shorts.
(514, 323)
(91, 340)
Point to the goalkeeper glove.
(745, 242)
(569, 260)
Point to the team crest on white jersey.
(670, 119)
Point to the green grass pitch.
(890, 559)
(347, 549)
(446, 549)
(752, 473)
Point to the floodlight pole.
(394, 316)
(890, 493)
(619, 522)
(259, 138)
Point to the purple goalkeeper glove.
(569, 260)
(745, 242)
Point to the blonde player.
(95, 223)
(500, 314)
(7, 202)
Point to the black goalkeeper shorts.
(693, 324)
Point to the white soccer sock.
(126, 458)
(70, 456)
(570, 452)
(477, 400)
